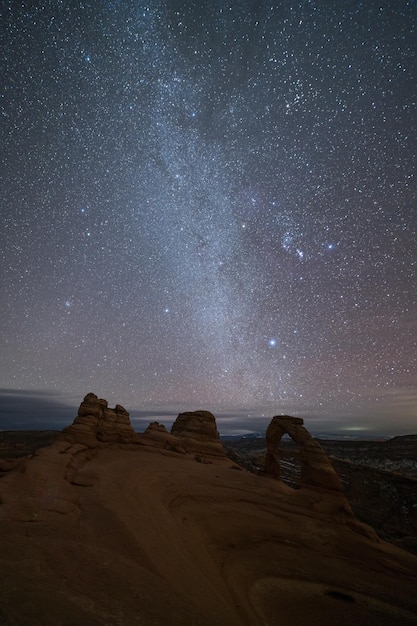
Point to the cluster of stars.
(212, 206)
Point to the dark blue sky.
(211, 207)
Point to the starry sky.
(210, 205)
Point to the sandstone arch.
(316, 467)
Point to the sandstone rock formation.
(95, 530)
(96, 423)
(157, 435)
(198, 433)
(316, 467)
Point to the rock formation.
(157, 435)
(95, 530)
(198, 433)
(96, 423)
(316, 467)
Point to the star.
(176, 180)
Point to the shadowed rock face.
(96, 423)
(156, 427)
(316, 467)
(157, 435)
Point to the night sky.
(210, 205)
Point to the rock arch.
(316, 467)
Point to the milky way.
(212, 207)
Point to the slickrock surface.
(132, 533)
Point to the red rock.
(316, 467)
(197, 432)
(96, 423)
(133, 535)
